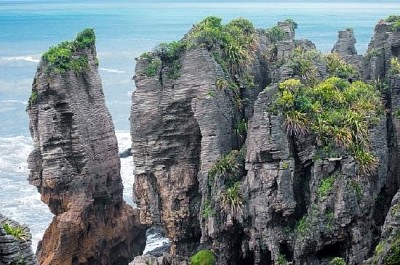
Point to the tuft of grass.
(232, 200)
(338, 113)
(15, 231)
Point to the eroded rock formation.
(75, 164)
(191, 154)
(17, 248)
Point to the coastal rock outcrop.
(269, 176)
(15, 243)
(75, 164)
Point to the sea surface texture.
(124, 30)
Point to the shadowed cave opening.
(332, 250)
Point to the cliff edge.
(251, 147)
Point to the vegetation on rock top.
(336, 111)
(395, 21)
(66, 55)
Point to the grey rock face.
(14, 250)
(345, 44)
(76, 168)
(182, 127)
(384, 45)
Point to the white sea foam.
(127, 166)
(28, 58)
(19, 200)
(110, 70)
(154, 241)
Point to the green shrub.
(394, 66)
(337, 261)
(33, 98)
(85, 39)
(301, 61)
(326, 186)
(15, 231)
(207, 210)
(228, 166)
(395, 20)
(281, 260)
(65, 57)
(276, 34)
(232, 200)
(153, 67)
(241, 128)
(303, 226)
(292, 23)
(170, 52)
(338, 113)
(393, 255)
(336, 66)
(203, 257)
(237, 40)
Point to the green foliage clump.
(228, 165)
(395, 20)
(237, 40)
(336, 66)
(292, 23)
(15, 231)
(337, 261)
(301, 62)
(276, 34)
(326, 186)
(85, 39)
(241, 128)
(169, 52)
(336, 111)
(33, 98)
(203, 257)
(393, 255)
(281, 260)
(207, 210)
(394, 66)
(65, 57)
(153, 66)
(232, 200)
(303, 226)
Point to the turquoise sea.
(124, 30)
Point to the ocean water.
(124, 30)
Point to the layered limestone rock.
(75, 164)
(261, 195)
(385, 44)
(345, 44)
(17, 248)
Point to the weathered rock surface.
(181, 128)
(76, 168)
(14, 250)
(345, 44)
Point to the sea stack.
(75, 164)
